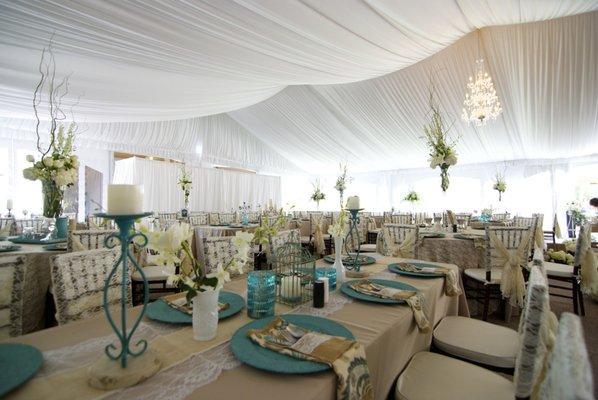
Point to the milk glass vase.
(205, 315)
(338, 260)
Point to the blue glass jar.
(261, 294)
(329, 273)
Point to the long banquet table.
(207, 370)
(465, 253)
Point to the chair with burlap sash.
(398, 240)
(506, 254)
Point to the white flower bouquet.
(339, 228)
(442, 149)
(499, 185)
(317, 195)
(57, 169)
(185, 184)
(411, 197)
(173, 246)
(341, 182)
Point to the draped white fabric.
(533, 186)
(213, 189)
(546, 78)
(167, 59)
(216, 139)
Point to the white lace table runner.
(179, 380)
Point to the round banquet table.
(465, 253)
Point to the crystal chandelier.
(481, 103)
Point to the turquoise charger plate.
(14, 247)
(363, 260)
(55, 247)
(346, 289)
(19, 239)
(18, 363)
(159, 310)
(256, 356)
(433, 235)
(395, 268)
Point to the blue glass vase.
(261, 294)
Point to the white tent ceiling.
(165, 60)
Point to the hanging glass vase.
(205, 315)
(338, 260)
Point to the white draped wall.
(213, 189)
(544, 186)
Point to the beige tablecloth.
(464, 253)
(389, 334)
(37, 282)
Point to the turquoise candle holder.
(329, 273)
(261, 294)
(124, 237)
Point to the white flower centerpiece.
(442, 149)
(186, 185)
(499, 184)
(341, 183)
(338, 231)
(202, 288)
(317, 195)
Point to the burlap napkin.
(181, 305)
(345, 356)
(412, 298)
(451, 287)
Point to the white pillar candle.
(326, 281)
(353, 203)
(9, 204)
(290, 287)
(125, 199)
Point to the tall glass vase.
(205, 315)
(338, 260)
(52, 195)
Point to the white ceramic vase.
(338, 260)
(205, 315)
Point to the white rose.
(48, 161)
(58, 163)
(30, 158)
(435, 161)
(75, 161)
(451, 159)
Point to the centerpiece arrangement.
(186, 185)
(57, 166)
(442, 149)
(499, 184)
(338, 231)
(341, 182)
(267, 228)
(412, 197)
(317, 195)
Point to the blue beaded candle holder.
(125, 235)
(261, 294)
(329, 273)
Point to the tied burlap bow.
(451, 217)
(319, 237)
(512, 284)
(403, 250)
(539, 233)
(345, 356)
(556, 227)
(588, 263)
(413, 299)
(371, 224)
(451, 279)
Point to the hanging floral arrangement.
(442, 149)
(499, 184)
(341, 182)
(317, 195)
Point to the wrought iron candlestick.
(139, 368)
(354, 263)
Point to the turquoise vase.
(62, 227)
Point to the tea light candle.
(124, 199)
(9, 204)
(353, 203)
(290, 287)
(326, 288)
